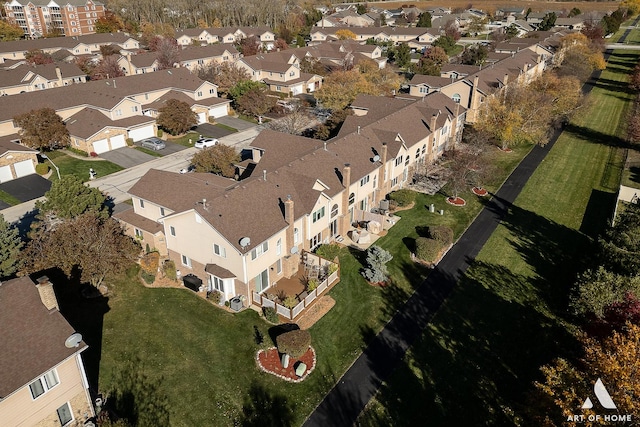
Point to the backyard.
(477, 360)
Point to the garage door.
(24, 168)
(141, 133)
(5, 173)
(202, 118)
(101, 146)
(118, 141)
(218, 111)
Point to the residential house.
(193, 58)
(71, 18)
(341, 53)
(414, 36)
(16, 160)
(574, 23)
(28, 78)
(226, 35)
(141, 63)
(206, 109)
(280, 75)
(242, 237)
(42, 377)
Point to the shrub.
(442, 234)
(42, 168)
(290, 301)
(312, 284)
(214, 296)
(78, 152)
(160, 133)
(170, 270)
(328, 251)
(402, 197)
(93, 154)
(294, 343)
(227, 304)
(332, 268)
(428, 249)
(376, 270)
(150, 262)
(130, 142)
(271, 314)
(149, 278)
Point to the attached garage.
(202, 118)
(5, 173)
(141, 133)
(118, 141)
(218, 110)
(101, 146)
(24, 168)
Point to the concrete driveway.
(207, 129)
(27, 188)
(127, 157)
(235, 123)
(171, 148)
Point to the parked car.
(153, 144)
(206, 142)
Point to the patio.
(368, 228)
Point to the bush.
(271, 314)
(376, 270)
(78, 152)
(294, 343)
(214, 296)
(402, 197)
(42, 168)
(428, 249)
(149, 278)
(312, 284)
(290, 301)
(150, 262)
(442, 234)
(93, 154)
(332, 268)
(329, 252)
(130, 142)
(170, 272)
(160, 133)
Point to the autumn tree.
(424, 20)
(168, 52)
(577, 56)
(94, 246)
(249, 46)
(255, 102)
(451, 30)
(294, 122)
(109, 23)
(37, 57)
(109, 49)
(332, 125)
(9, 31)
(477, 25)
(474, 55)
(176, 117)
(280, 44)
(10, 247)
(225, 76)
(69, 197)
(219, 159)
(313, 66)
(632, 6)
(345, 34)
(42, 129)
(107, 68)
(459, 165)
(432, 61)
(597, 290)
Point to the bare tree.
(295, 122)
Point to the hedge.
(42, 169)
(442, 234)
(271, 314)
(428, 249)
(294, 343)
(402, 197)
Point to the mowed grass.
(72, 166)
(476, 362)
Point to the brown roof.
(209, 51)
(431, 81)
(32, 336)
(138, 221)
(18, 76)
(88, 121)
(218, 271)
(62, 42)
(7, 144)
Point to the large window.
(398, 160)
(318, 214)
(315, 240)
(44, 384)
(279, 247)
(364, 181)
(218, 283)
(352, 198)
(262, 281)
(259, 250)
(64, 414)
(334, 211)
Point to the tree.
(361, 9)
(313, 66)
(294, 122)
(219, 159)
(459, 165)
(249, 46)
(168, 52)
(345, 34)
(445, 42)
(597, 290)
(280, 44)
(10, 247)
(245, 86)
(477, 25)
(109, 49)
(109, 23)
(225, 76)
(475, 55)
(595, 34)
(376, 269)
(574, 12)
(340, 88)
(511, 31)
(451, 30)
(432, 61)
(42, 129)
(107, 68)
(632, 6)
(424, 20)
(331, 127)
(90, 244)
(255, 102)
(69, 197)
(548, 22)
(176, 117)
(620, 247)
(401, 54)
(10, 31)
(37, 57)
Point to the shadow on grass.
(634, 174)
(592, 135)
(475, 362)
(598, 214)
(263, 408)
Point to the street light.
(44, 156)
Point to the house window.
(259, 250)
(352, 198)
(279, 88)
(334, 211)
(44, 384)
(218, 283)
(318, 214)
(296, 236)
(279, 266)
(161, 211)
(364, 181)
(398, 160)
(212, 91)
(141, 203)
(375, 181)
(406, 160)
(417, 153)
(219, 250)
(456, 98)
(424, 89)
(199, 93)
(134, 108)
(363, 204)
(138, 232)
(424, 148)
(172, 230)
(186, 261)
(315, 240)
(279, 247)
(292, 73)
(118, 112)
(262, 281)
(394, 182)
(64, 414)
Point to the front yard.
(74, 166)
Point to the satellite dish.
(376, 158)
(294, 250)
(73, 340)
(245, 241)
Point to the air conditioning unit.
(235, 304)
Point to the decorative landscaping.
(456, 201)
(269, 361)
(479, 191)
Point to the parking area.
(235, 123)
(26, 188)
(207, 129)
(169, 149)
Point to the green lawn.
(186, 140)
(153, 153)
(8, 198)
(72, 166)
(476, 362)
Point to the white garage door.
(202, 118)
(118, 141)
(5, 174)
(218, 111)
(24, 168)
(141, 133)
(101, 146)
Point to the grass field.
(476, 362)
(72, 166)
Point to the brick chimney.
(291, 261)
(289, 217)
(475, 103)
(433, 123)
(47, 295)
(344, 217)
(382, 184)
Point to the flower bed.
(479, 191)
(456, 201)
(269, 361)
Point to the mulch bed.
(269, 361)
(479, 191)
(456, 201)
(505, 150)
(318, 308)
